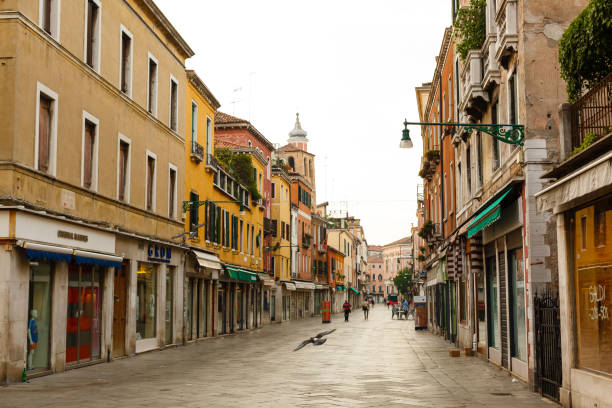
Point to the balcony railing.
(471, 78)
(197, 152)
(211, 162)
(593, 112)
(507, 30)
(306, 241)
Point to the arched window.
(379, 277)
(291, 162)
(305, 168)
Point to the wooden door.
(119, 310)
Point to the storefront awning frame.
(289, 286)
(241, 274)
(487, 216)
(206, 260)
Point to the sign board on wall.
(39, 228)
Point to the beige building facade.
(91, 166)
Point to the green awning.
(355, 290)
(340, 287)
(487, 216)
(241, 274)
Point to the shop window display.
(492, 314)
(83, 323)
(146, 301)
(593, 282)
(39, 315)
(517, 304)
(169, 304)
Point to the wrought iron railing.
(211, 161)
(593, 112)
(197, 151)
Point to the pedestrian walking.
(347, 309)
(372, 302)
(366, 309)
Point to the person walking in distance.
(347, 309)
(366, 309)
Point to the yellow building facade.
(223, 226)
(91, 175)
(281, 224)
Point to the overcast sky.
(349, 68)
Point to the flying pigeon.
(316, 340)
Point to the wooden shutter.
(274, 227)
(152, 76)
(171, 193)
(123, 160)
(46, 20)
(125, 61)
(193, 211)
(44, 133)
(88, 152)
(150, 175)
(92, 11)
(218, 225)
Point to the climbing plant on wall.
(470, 27)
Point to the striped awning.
(476, 254)
(487, 216)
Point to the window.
(235, 233)
(479, 158)
(241, 238)
(445, 192)
(273, 190)
(152, 86)
(173, 104)
(459, 185)
(513, 99)
(208, 135)
(146, 295)
(123, 169)
(194, 123)
(172, 193)
(151, 172)
(89, 152)
(291, 163)
(495, 120)
(125, 62)
(49, 17)
(92, 34)
(46, 130)
(194, 214)
(468, 170)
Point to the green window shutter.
(217, 225)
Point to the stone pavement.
(375, 363)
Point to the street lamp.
(405, 143)
(507, 133)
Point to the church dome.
(297, 131)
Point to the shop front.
(201, 277)
(154, 283)
(503, 282)
(239, 288)
(288, 289)
(58, 302)
(304, 298)
(581, 200)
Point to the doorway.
(119, 310)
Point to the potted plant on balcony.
(427, 230)
(433, 156)
(448, 128)
(470, 27)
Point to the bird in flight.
(316, 340)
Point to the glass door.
(494, 334)
(84, 313)
(39, 315)
(169, 304)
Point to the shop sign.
(597, 296)
(159, 253)
(72, 235)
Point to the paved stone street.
(375, 363)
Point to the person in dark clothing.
(347, 309)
